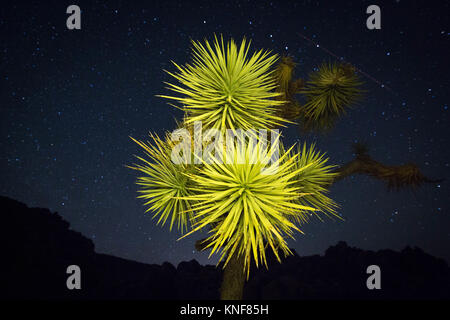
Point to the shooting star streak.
(342, 59)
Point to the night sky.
(70, 99)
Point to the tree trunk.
(233, 279)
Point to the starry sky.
(70, 99)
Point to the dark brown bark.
(233, 282)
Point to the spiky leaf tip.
(314, 177)
(164, 184)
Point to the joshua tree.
(256, 194)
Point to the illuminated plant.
(249, 200)
(330, 90)
(164, 184)
(314, 179)
(225, 87)
(248, 203)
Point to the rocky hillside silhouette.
(38, 246)
(341, 274)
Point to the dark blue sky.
(71, 99)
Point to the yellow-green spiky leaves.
(164, 183)
(249, 202)
(329, 91)
(226, 88)
(314, 180)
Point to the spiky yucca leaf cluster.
(329, 91)
(249, 204)
(226, 89)
(314, 180)
(164, 183)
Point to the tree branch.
(396, 177)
